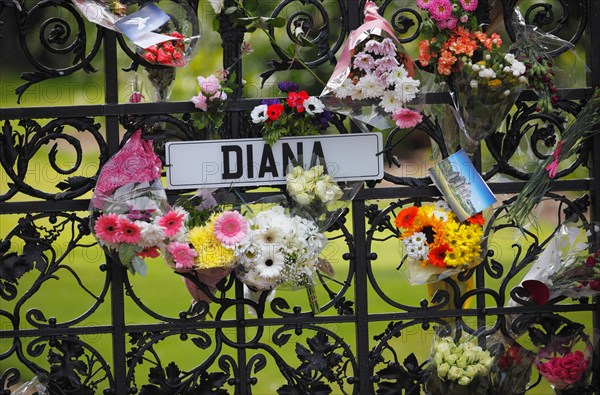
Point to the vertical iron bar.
(116, 270)
(231, 41)
(359, 255)
(360, 295)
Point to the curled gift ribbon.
(552, 168)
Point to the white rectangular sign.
(252, 162)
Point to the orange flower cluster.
(462, 42)
(434, 236)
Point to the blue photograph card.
(462, 185)
(141, 22)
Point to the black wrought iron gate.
(363, 341)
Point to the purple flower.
(324, 118)
(268, 102)
(288, 86)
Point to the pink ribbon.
(552, 168)
(372, 20)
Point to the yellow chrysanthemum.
(211, 253)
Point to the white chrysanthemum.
(417, 238)
(407, 89)
(151, 234)
(397, 75)
(346, 89)
(487, 73)
(441, 215)
(313, 105)
(518, 68)
(370, 86)
(357, 94)
(389, 102)
(259, 114)
(441, 205)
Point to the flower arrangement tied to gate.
(298, 115)
(436, 244)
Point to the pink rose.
(209, 85)
(559, 373)
(200, 102)
(545, 368)
(568, 362)
(578, 355)
(574, 376)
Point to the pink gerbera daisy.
(149, 252)
(440, 9)
(172, 222)
(128, 232)
(406, 118)
(469, 5)
(106, 228)
(182, 254)
(230, 228)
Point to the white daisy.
(270, 265)
(389, 102)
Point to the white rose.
(438, 358)
(454, 373)
(303, 198)
(509, 57)
(462, 362)
(327, 192)
(464, 380)
(474, 84)
(442, 370)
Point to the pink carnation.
(440, 10)
(406, 118)
(469, 5)
(182, 254)
(200, 102)
(424, 4)
(230, 228)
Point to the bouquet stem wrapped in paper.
(458, 366)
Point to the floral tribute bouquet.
(298, 115)
(564, 268)
(512, 367)
(437, 245)
(176, 48)
(316, 196)
(374, 77)
(483, 79)
(281, 249)
(569, 145)
(458, 367)
(212, 98)
(209, 251)
(564, 359)
(130, 213)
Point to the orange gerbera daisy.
(476, 219)
(437, 255)
(406, 217)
